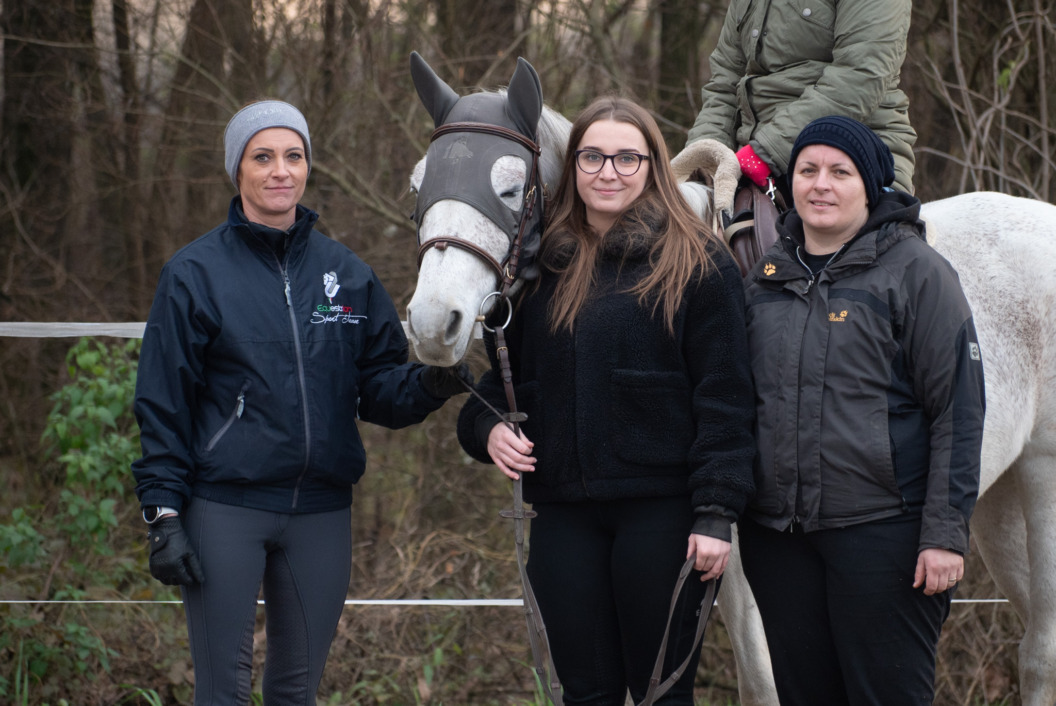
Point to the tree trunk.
(204, 95)
(51, 92)
(130, 110)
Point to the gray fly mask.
(472, 133)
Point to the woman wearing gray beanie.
(869, 401)
(266, 341)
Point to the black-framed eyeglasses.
(625, 163)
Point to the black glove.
(444, 382)
(172, 560)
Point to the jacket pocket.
(817, 12)
(236, 414)
(652, 417)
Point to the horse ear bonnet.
(437, 97)
(525, 99)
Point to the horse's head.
(473, 187)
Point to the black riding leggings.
(604, 573)
(303, 563)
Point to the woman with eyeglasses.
(629, 356)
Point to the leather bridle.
(506, 270)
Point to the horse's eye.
(508, 194)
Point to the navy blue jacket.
(254, 369)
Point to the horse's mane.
(553, 131)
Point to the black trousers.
(604, 573)
(302, 562)
(843, 622)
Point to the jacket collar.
(271, 240)
(895, 218)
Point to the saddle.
(752, 228)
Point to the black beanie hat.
(872, 157)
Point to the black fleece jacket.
(620, 407)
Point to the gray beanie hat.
(256, 117)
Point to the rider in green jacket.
(779, 65)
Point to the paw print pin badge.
(769, 269)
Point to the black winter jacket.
(254, 369)
(621, 408)
(869, 382)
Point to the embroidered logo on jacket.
(334, 313)
(330, 285)
(769, 269)
(973, 351)
(841, 317)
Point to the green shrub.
(92, 429)
(68, 553)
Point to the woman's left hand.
(938, 570)
(711, 554)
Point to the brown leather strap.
(441, 243)
(656, 687)
(542, 656)
(487, 129)
(753, 228)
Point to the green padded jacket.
(779, 65)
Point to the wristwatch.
(153, 513)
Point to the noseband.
(507, 270)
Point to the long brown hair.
(678, 251)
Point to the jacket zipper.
(240, 406)
(810, 272)
(303, 383)
(575, 397)
(806, 294)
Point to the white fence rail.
(134, 329)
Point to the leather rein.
(507, 271)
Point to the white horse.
(1004, 249)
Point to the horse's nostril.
(454, 326)
(408, 324)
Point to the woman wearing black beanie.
(869, 398)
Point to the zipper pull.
(241, 405)
(289, 297)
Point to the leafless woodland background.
(111, 159)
